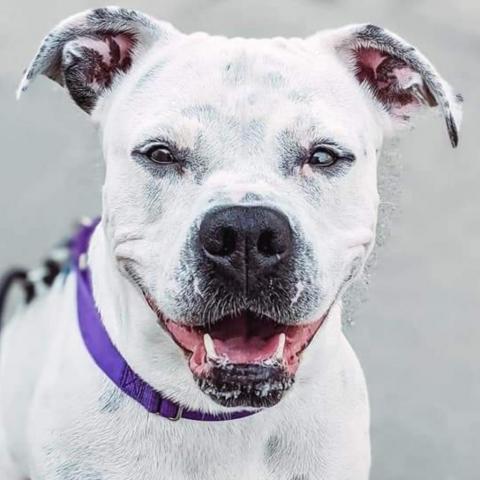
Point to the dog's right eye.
(160, 154)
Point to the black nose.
(245, 244)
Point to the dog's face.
(240, 193)
(251, 199)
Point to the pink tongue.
(241, 350)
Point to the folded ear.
(397, 75)
(87, 52)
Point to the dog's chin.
(257, 385)
(242, 360)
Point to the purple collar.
(109, 359)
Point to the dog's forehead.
(233, 62)
(247, 85)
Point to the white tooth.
(209, 346)
(278, 355)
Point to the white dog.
(240, 201)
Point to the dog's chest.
(118, 440)
(104, 435)
(121, 441)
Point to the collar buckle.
(169, 410)
(177, 416)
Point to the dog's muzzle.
(244, 347)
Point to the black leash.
(53, 265)
(50, 269)
(8, 280)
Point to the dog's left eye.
(323, 157)
(160, 154)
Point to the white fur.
(60, 417)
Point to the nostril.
(265, 242)
(269, 244)
(228, 242)
(220, 241)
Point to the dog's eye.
(323, 157)
(160, 154)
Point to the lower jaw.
(246, 385)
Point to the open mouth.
(244, 359)
(245, 338)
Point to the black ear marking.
(87, 71)
(86, 52)
(398, 75)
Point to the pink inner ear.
(370, 59)
(395, 84)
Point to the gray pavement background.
(417, 331)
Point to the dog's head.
(240, 194)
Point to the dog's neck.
(134, 330)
